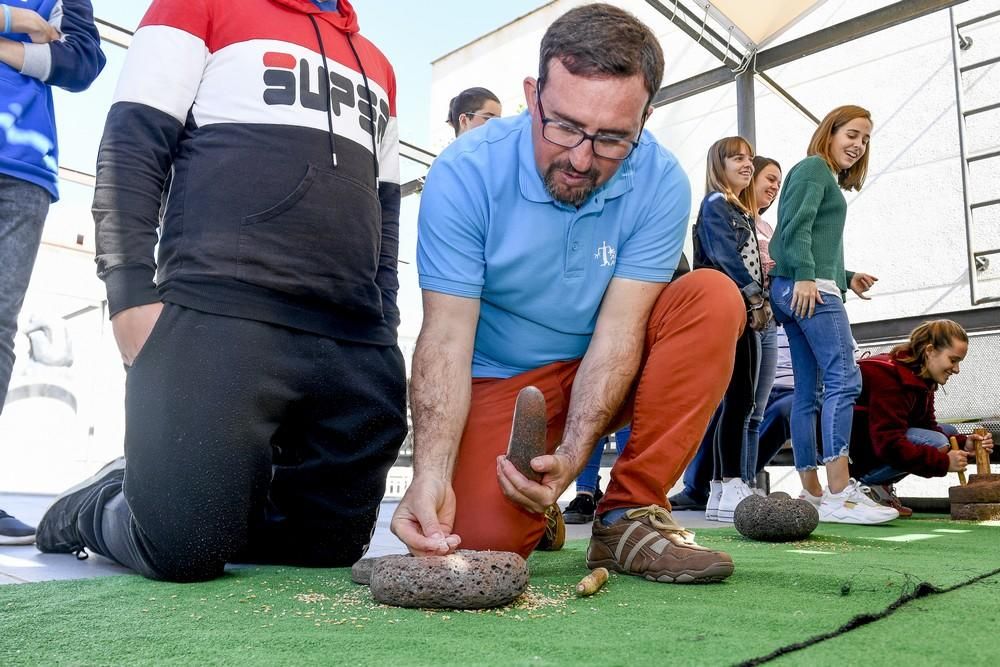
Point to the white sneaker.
(852, 506)
(733, 492)
(714, 496)
(815, 500)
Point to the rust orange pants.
(686, 365)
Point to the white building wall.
(906, 226)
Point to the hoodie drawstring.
(326, 87)
(329, 110)
(368, 94)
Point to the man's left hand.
(557, 472)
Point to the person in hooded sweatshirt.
(43, 43)
(265, 391)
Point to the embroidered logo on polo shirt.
(606, 254)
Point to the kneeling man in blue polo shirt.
(546, 250)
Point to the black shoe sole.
(51, 539)
(577, 518)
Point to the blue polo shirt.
(489, 230)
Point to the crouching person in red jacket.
(895, 433)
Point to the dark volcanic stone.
(775, 519)
(361, 572)
(462, 580)
(975, 511)
(527, 433)
(979, 490)
(779, 494)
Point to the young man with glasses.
(546, 251)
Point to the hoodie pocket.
(319, 243)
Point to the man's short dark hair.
(602, 40)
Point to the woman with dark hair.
(808, 283)
(766, 184)
(725, 240)
(471, 108)
(895, 431)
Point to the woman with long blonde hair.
(725, 240)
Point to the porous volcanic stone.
(775, 519)
(361, 572)
(975, 511)
(779, 494)
(978, 491)
(527, 432)
(462, 580)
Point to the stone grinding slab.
(361, 572)
(462, 580)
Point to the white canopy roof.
(755, 23)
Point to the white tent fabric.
(757, 23)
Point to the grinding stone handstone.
(527, 431)
(774, 519)
(361, 572)
(977, 491)
(462, 580)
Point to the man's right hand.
(132, 327)
(425, 516)
(33, 25)
(958, 460)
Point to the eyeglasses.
(487, 115)
(569, 136)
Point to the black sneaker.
(683, 501)
(14, 532)
(57, 532)
(582, 508)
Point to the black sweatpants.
(733, 457)
(248, 442)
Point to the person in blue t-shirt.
(547, 244)
(43, 43)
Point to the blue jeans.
(23, 207)
(825, 373)
(589, 479)
(698, 474)
(918, 436)
(767, 364)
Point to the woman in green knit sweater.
(807, 288)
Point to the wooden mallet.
(982, 456)
(954, 447)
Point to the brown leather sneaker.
(554, 536)
(885, 494)
(647, 542)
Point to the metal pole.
(970, 244)
(746, 121)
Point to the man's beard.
(572, 196)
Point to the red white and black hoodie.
(282, 174)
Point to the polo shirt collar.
(533, 188)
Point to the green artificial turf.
(957, 628)
(280, 615)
